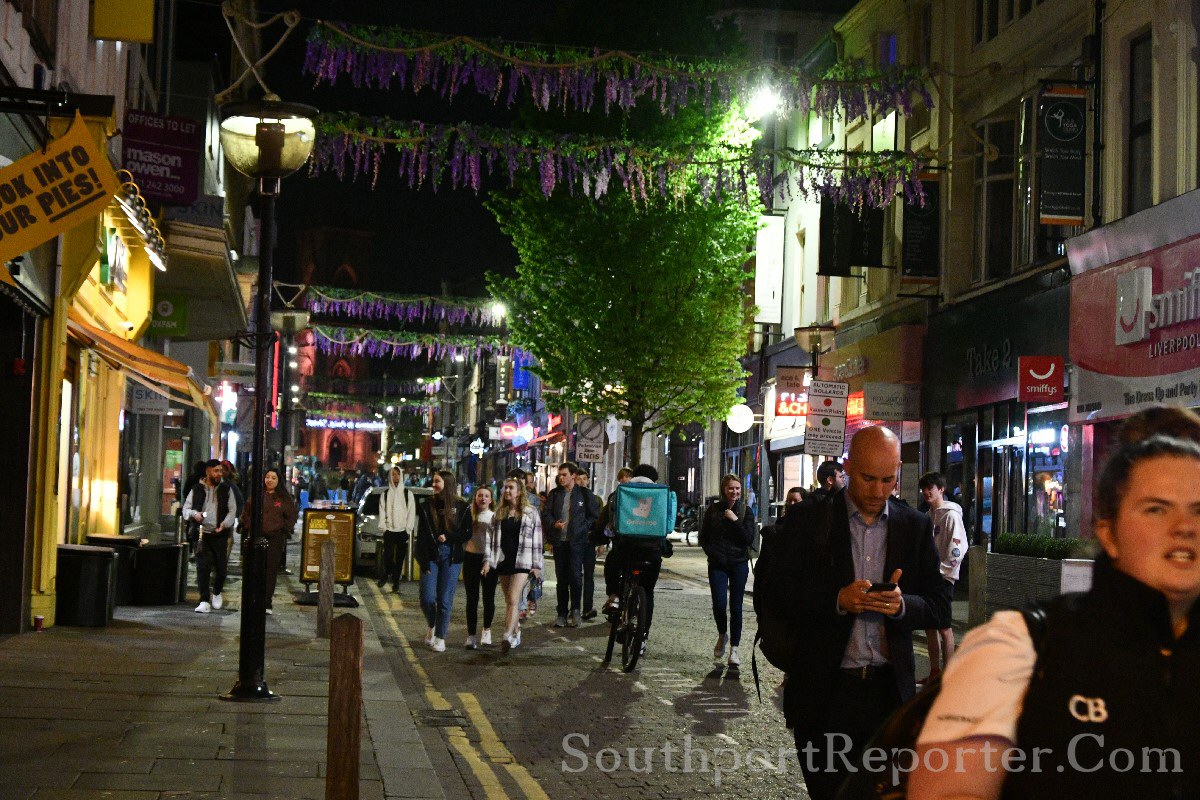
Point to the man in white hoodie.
(950, 540)
(398, 518)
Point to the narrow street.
(550, 720)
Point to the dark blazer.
(827, 565)
(426, 545)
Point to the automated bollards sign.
(825, 425)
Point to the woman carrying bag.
(515, 553)
(726, 533)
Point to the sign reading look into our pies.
(825, 425)
(46, 193)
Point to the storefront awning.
(547, 438)
(152, 369)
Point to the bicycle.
(630, 622)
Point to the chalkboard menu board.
(321, 525)
(921, 255)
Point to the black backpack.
(899, 732)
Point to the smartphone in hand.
(881, 587)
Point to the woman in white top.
(514, 552)
(473, 577)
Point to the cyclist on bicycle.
(628, 552)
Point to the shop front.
(1135, 324)
(1005, 462)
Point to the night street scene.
(464, 400)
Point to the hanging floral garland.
(336, 402)
(401, 307)
(461, 154)
(431, 346)
(572, 78)
(374, 386)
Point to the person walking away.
(279, 522)
(569, 513)
(950, 539)
(856, 665)
(515, 553)
(211, 506)
(443, 526)
(1105, 705)
(398, 517)
(474, 555)
(726, 534)
(318, 489)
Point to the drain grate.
(439, 719)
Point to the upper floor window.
(993, 16)
(994, 174)
(1139, 180)
(780, 46)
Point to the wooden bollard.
(345, 709)
(325, 590)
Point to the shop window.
(958, 466)
(1140, 161)
(1046, 458)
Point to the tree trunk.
(633, 456)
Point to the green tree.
(631, 309)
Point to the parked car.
(370, 532)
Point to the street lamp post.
(816, 339)
(267, 140)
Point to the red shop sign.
(1041, 379)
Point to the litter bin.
(126, 547)
(87, 586)
(156, 574)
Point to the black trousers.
(853, 712)
(620, 557)
(276, 553)
(472, 582)
(212, 557)
(392, 553)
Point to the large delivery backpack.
(644, 510)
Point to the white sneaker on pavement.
(516, 640)
(429, 638)
(203, 608)
(485, 639)
(217, 602)
(439, 645)
(270, 612)
(734, 659)
(471, 643)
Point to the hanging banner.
(849, 239)
(921, 253)
(1062, 115)
(44, 194)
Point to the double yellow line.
(494, 750)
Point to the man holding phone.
(869, 577)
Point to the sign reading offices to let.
(44, 194)
(825, 425)
(163, 153)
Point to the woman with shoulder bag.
(726, 533)
(443, 527)
(515, 553)
(279, 521)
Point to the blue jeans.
(439, 580)
(568, 572)
(728, 585)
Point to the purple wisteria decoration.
(412, 346)
(351, 144)
(573, 79)
(328, 300)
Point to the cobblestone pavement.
(549, 720)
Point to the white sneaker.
(719, 649)
(439, 645)
(429, 638)
(471, 643)
(203, 608)
(270, 612)
(217, 602)
(516, 640)
(734, 659)
(485, 639)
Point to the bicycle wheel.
(635, 628)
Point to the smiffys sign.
(44, 194)
(1041, 379)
